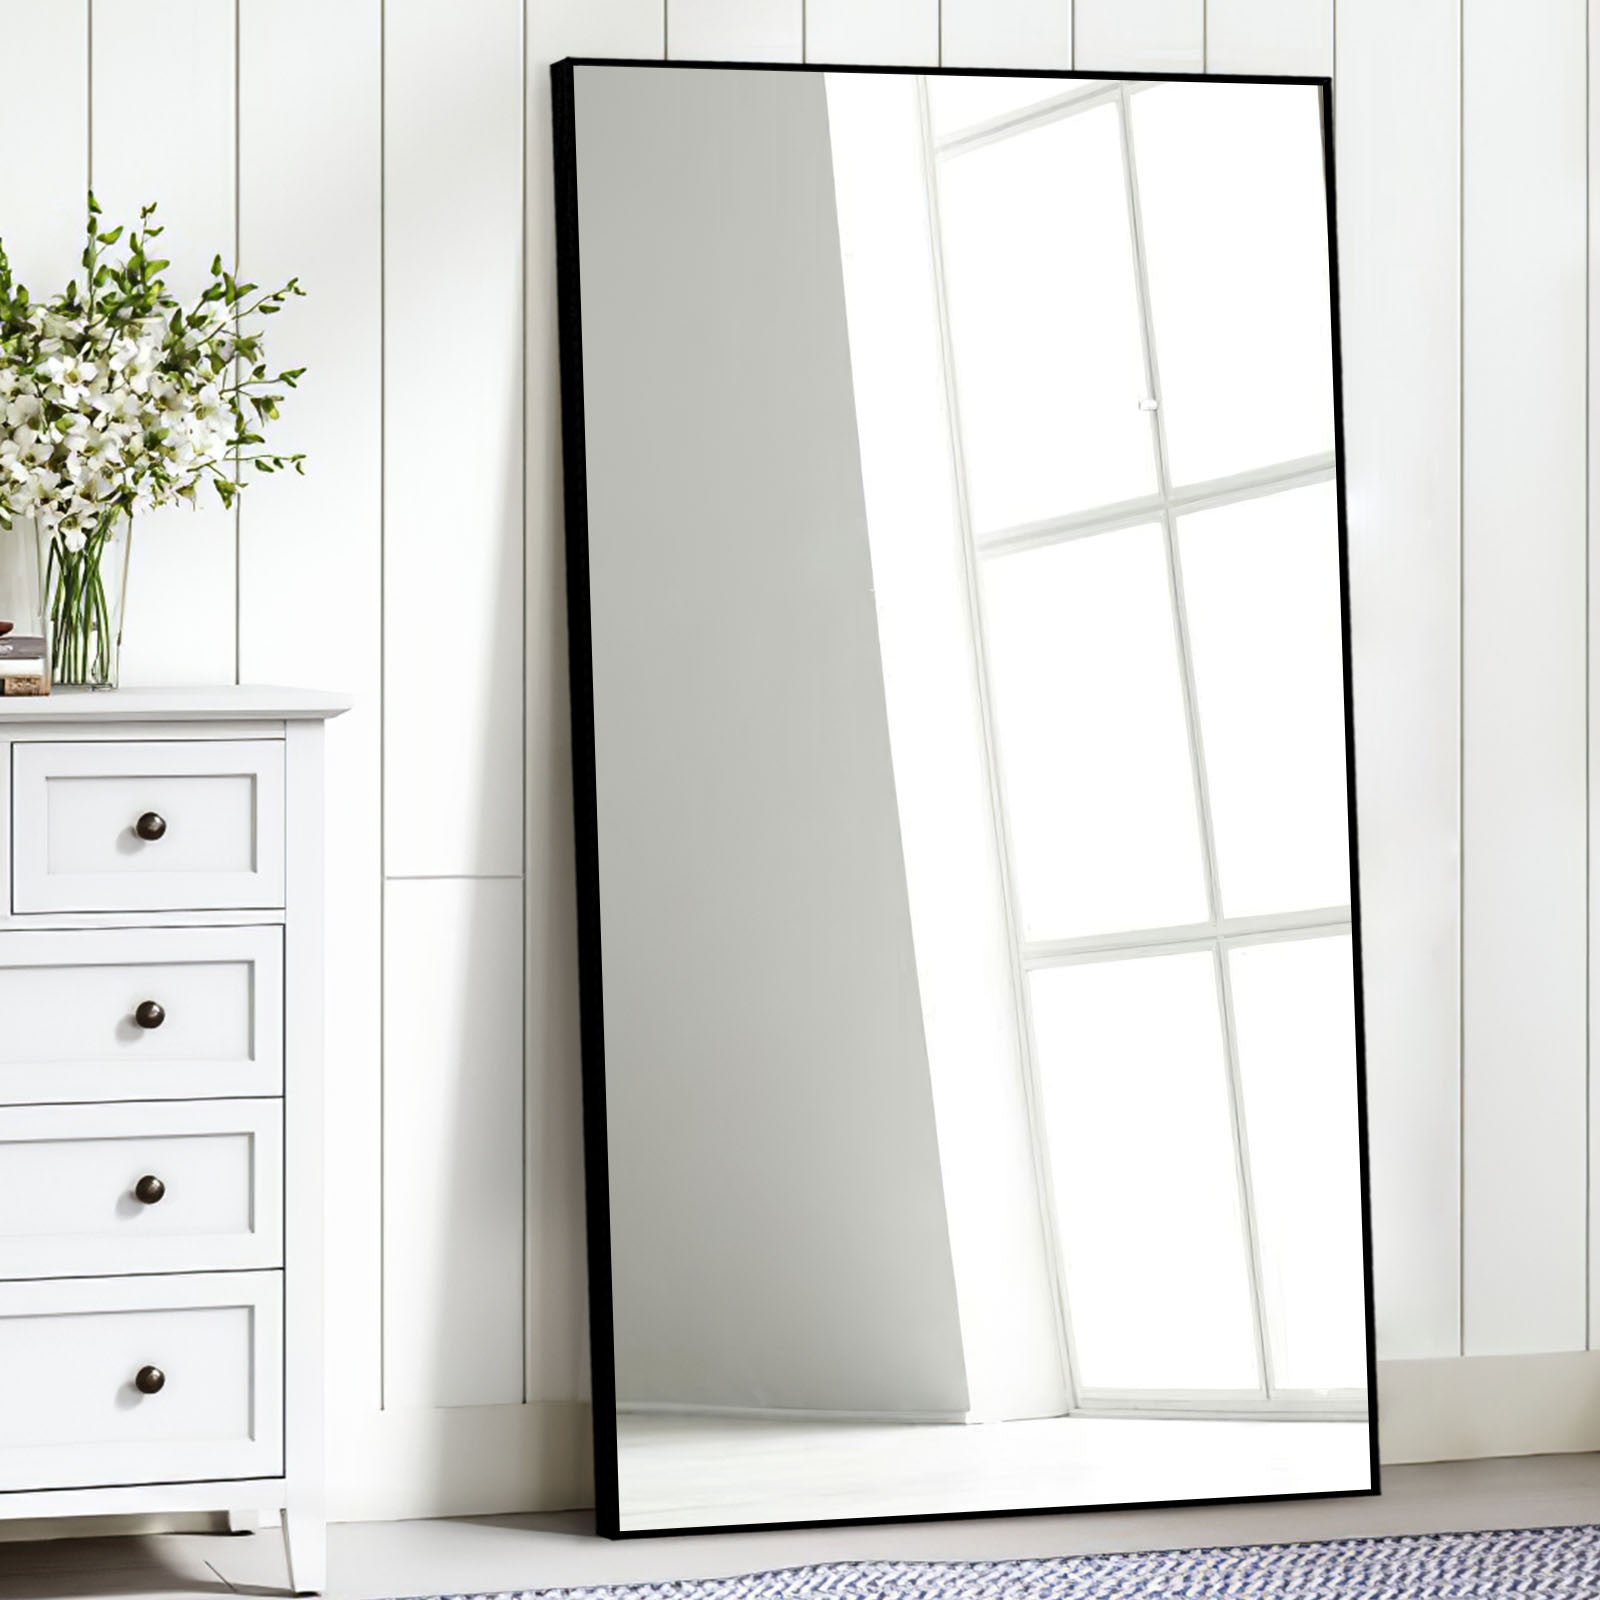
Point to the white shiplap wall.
(1399, 149)
(1524, 619)
(395, 154)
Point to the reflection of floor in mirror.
(703, 1471)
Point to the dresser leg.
(305, 1548)
(243, 1521)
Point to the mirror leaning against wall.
(968, 916)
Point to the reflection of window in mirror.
(1126, 322)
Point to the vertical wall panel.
(310, 555)
(736, 30)
(163, 130)
(1139, 35)
(1287, 36)
(1524, 616)
(453, 1251)
(1006, 33)
(898, 32)
(557, 1353)
(42, 195)
(453, 702)
(1594, 674)
(1399, 105)
(453, 452)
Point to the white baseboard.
(1464, 1408)
(460, 1461)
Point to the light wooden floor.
(377, 1560)
(679, 1471)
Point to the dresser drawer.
(70, 1004)
(72, 1352)
(164, 825)
(175, 1186)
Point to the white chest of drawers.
(161, 955)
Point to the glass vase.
(83, 592)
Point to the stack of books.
(24, 665)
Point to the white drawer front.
(74, 1414)
(77, 811)
(69, 1003)
(168, 1187)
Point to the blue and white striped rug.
(1533, 1564)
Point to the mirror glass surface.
(961, 728)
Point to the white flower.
(101, 447)
(169, 398)
(25, 408)
(11, 462)
(207, 405)
(117, 405)
(72, 375)
(127, 436)
(35, 493)
(142, 363)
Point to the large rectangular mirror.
(970, 949)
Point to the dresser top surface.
(222, 703)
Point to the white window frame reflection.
(1218, 934)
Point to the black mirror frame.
(579, 644)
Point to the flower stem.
(83, 640)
